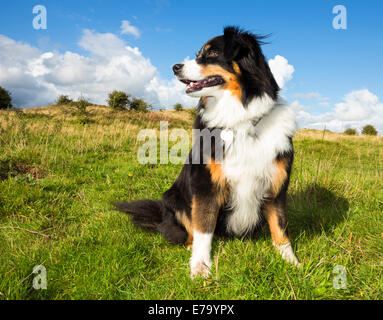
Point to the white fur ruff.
(248, 164)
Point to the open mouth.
(193, 86)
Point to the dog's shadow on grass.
(315, 210)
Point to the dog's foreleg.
(287, 253)
(204, 218)
(200, 262)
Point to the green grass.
(59, 174)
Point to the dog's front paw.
(288, 255)
(200, 268)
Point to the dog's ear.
(232, 42)
(245, 49)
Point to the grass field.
(59, 172)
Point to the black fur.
(257, 78)
(244, 48)
(153, 215)
(145, 213)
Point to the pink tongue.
(199, 83)
(203, 83)
(192, 85)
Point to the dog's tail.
(152, 215)
(145, 213)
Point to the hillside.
(59, 172)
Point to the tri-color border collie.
(236, 193)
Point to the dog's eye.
(212, 54)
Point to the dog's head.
(234, 62)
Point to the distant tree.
(178, 107)
(63, 100)
(139, 104)
(119, 100)
(369, 130)
(81, 105)
(350, 132)
(5, 99)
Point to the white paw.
(287, 254)
(200, 268)
(200, 262)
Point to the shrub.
(119, 100)
(5, 99)
(81, 105)
(84, 120)
(350, 132)
(193, 112)
(369, 130)
(139, 105)
(63, 100)
(178, 107)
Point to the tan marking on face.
(236, 68)
(279, 177)
(231, 79)
(278, 235)
(207, 47)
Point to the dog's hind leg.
(275, 210)
(275, 214)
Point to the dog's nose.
(177, 67)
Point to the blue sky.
(330, 63)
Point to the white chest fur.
(248, 163)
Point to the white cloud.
(168, 93)
(357, 109)
(358, 105)
(281, 69)
(321, 100)
(324, 104)
(127, 28)
(35, 78)
(16, 73)
(310, 95)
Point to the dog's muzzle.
(177, 68)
